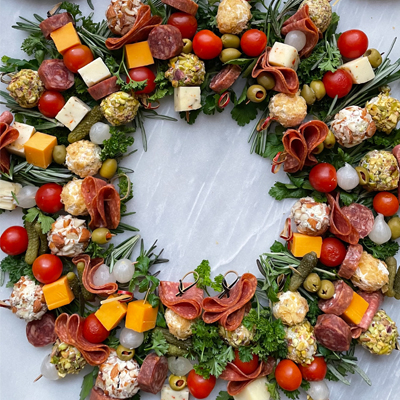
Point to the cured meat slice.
(350, 262)
(153, 373)
(91, 266)
(186, 6)
(360, 217)
(286, 80)
(229, 312)
(332, 332)
(98, 394)
(396, 153)
(55, 22)
(41, 332)
(6, 117)
(8, 135)
(188, 306)
(296, 150)
(340, 225)
(225, 78)
(55, 75)
(104, 88)
(340, 301)
(301, 21)
(314, 133)
(165, 42)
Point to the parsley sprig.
(205, 281)
(118, 144)
(45, 221)
(16, 267)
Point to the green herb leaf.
(88, 383)
(245, 353)
(158, 343)
(245, 113)
(224, 396)
(282, 191)
(45, 220)
(381, 251)
(118, 144)
(16, 267)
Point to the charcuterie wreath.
(326, 117)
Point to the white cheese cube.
(360, 70)
(6, 197)
(257, 390)
(72, 113)
(284, 55)
(94, 72)
(187, 98)
(167, 393)
(25, 133)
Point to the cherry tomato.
(50, 103)
(323, 177)
(48, 198)
(186, 23)
(207, 45)
(47, 268)
(315, 371)
(141, 74)
(253, 42)
(198, 386)
(338, 83)
(77, 57)
(333, 252)
(352, 43)
(14, 240)
(246, 367)
(288, 375)
(93, 330)
(386, 203)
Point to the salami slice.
(6, 117)
(225, 78)
(186, 6)
(98, 394)
(8, 135)
(104, 88)
(165, 42)
(350, 262)
(55, 22)
(41, 332)
(332, 332)
(340, 301)
(360, 217)
(153, 373)
(314, 133)
(55, 75)
(188, 306)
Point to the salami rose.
(8, 135)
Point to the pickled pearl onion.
(296, 39)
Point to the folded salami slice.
(301, 21)
(296, 151)
(314, 133)
(55, 75)
(98, 394)
(286, 80)
(339, 302)
(188, 306)
(332, 332)
(225, 78)
(8, 135)
(186, 6)
(55, 22)
(153, 373)
(229, 312)
(360, 217)
(41, 332)
(350, 262)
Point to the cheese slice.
(187, 98)
(360, 70)
(94, 72)
(167, 393)
(256, 390)
(6, 194)
(284, 55)
(25, 133)
(72, 113)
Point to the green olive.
(231, 41)
(318, 149)
(177, 382)
(319, 89)
(59, 154)
(109, 168)
(312, 283)
(124, 353)
(187, 46)
(327, 290)
(229, 54)
(101, 236)
(363, 175)
(267, 80)
(394, 225)
(80, 265)
(308, 95)
(256, 93)
(330, 140)
(374, 57)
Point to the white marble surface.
(202, 195)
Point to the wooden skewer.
(122, 297)
(40, 376)
(4, 304)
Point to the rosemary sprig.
(123, 250)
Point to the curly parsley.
(204, 271)
(16, 267)
(118, 144)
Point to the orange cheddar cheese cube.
(301, 244)
(356, 310)
(58, 293)
(39, 149)
(138, 55)
(65, 37)
(141, 316)
(111, 314)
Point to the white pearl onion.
(26, 197)
(48, 370)
(381, 232)
(123, 270)
(347, 177)
(318, 390)
(131, 339)
(297, 39)
(99, 132)
(102, 276)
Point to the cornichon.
(175, 345)
(83, 128)
(43, 239)
(73, 282)
(86, 294)
(175, 351)
(33, 243)
(396, 285)
(392, 268)
(307, 264)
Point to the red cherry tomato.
(386, 203)
(14, 240)
(338, 83)
(352, 43)
(253, 42)
(93, 330)
(207, 45)
(48, 198)
(50, 103)
(315, 371)
(333, 252)
(246, 367)
(186, 23)
(323, 177)
(77, 57)
(198, 386)
(141, 74)
(288, 375)
(47, 268)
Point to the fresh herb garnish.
(205, 281)
(118, 144)
(88, 383)
(381, 251)
(224, 396)
(45, 221)
(158, 343)
(16, 267)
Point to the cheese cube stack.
(138, 55)
(58, 293)
(39, 149)
(187, 98)
(284, 55)
(167, 393)
(6, 197)
(356, 310)
(72, 113)
(94, 72)
(301, 244)
(25, 133)
(256, 390)
(360, 70)
(111, 314)
(141, 316)
(65, 37)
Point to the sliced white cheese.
(25, 133)
(6, 197)
(167, 393)
(187, 98)
(94, 72)
(257, 390)
(72, 113)
(284, 55)
(360, 70)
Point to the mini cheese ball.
(178, 326)
(291, 308)
(288, 110)
(71, 197)
(233, 16)
(83, 158)
(320, 12)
